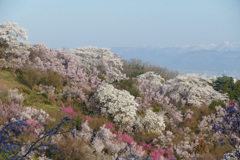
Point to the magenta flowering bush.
(109, 126)
(125, 138)
(159, 154)
(33, 128)
(69, 110)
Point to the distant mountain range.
(209, 59)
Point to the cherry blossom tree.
(151, 123)
(193, 88)
(109, 64)
(116, 103)
(13, 38)
(154, 80)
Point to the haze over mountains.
(212, 59)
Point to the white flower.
(102, 59)
(119, 104)
(151, 123)
(13, 36)
(154, 80)
(193, 88)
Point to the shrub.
(9, 111)
(229, 127)
(73, 148)
(4, 95)
(215, 103)
(157, 108)
(130, 86)
(69, 110)
(36, 76)
(54, 79)
(97, 122)
(201, 147)
(191, 123)
(30, 77)
(15, 97)
(135, 67)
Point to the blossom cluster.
(154, 80)
(192, 88)
(151, 123)
(13, 37)
(107, 63)
(118, 104)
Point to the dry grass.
(144, 137)
(10, 80)
(198, 112)
(74, 149)
(97, 122)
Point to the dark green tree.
(237, 90)
(225, 84)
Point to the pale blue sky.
(112, 23)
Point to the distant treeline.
(135, 67)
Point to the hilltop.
(89, 103)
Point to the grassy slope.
(9, 80)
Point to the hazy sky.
(112, 23)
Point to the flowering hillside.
(81, 104)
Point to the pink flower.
(109, 126)
(157, 154)
(34, 125)
(87, 118)
(147, 146)
(125, 138)
(68, 110)
(32, 122)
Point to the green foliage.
(236, 90)
(135, 67)
(226, 84)
(77, 122)
(215, 103)
(27, 91)
(136, 73)
(130, 86)
(157, 108)
(101, 77)
(4, 95)
(32, 77)
(51, 78)
(34, 98)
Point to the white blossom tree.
(106, 139)
(116, 103)
(105, 61)
(13, 38)
(193, 88)
(154, 80)
(151, 123)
